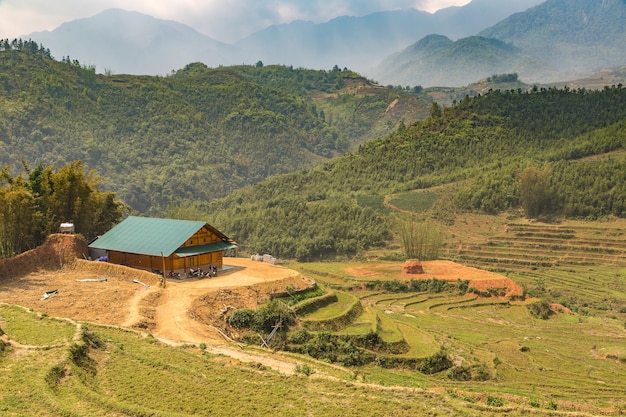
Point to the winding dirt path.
(172, 317)
(174, 324)
(168, 312)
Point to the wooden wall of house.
(202, 237)
(172, 263)
(136, 261)
(198, 261)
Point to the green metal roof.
(151, 236)
(210, 247)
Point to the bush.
(91, 339)
(540, 310)
(436, 363)
(480, 373)
(462, 285)
(275, 311)
(304, 369)
(299, 337)
(459, 373)
(494, 401)
(326, 346)
(263, 319)
(242, 318)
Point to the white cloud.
(225, 20)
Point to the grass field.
(504, 360)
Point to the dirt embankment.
(56, 252)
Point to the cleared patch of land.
(443, 270)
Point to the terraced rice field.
(574, 361)
(524, 247)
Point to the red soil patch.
(444, 270)
(560, 308)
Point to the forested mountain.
(558, 40)
(134, 43)
(438, 61)
(195, 135)
(575, 36)
(554, 153)
(360, 42)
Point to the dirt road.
(122, 302)
(173, 320)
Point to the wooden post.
(163, 259)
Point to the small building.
(67, 228)
(165, 245)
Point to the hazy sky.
(223, 20)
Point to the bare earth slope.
(117, 295)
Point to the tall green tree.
(535, 195)
(19, 220)
(33, 208)
(421, 241)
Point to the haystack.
(412, 267)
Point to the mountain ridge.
(357, 42)
(556, 40)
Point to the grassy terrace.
(575, 361)
(572, 364)
(539, 245)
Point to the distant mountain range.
(575, 36)
(359, 43)
(126, 42)
(553, 41)
(129, 42)
(438, 61)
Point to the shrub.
(459, 373)
(331, 348)
(371, 340)
(304, 369)
(54, 375)
(275, 311)
(494, 401)
(480, 372)
(242, 318)
(540, 310)
(299, 337)
(435, 363)
(551, 405)
(91, 339)
(462, 285)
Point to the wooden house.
(165, 245)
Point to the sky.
(222, 20)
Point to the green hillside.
(192, 136)
(554, 153)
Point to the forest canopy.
(33, 204)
